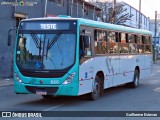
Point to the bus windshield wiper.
(37, 42)
(53, 41)
(50, 44)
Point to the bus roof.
(112, 27)
(98, 24)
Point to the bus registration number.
(41, 92)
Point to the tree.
(113, 13)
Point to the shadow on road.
(74, 99)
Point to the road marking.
(153, 74)
(157, 89)
(53, 107)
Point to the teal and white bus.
(65, 56)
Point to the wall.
(7, 21)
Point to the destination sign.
(48, 25)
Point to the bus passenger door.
(86, 64)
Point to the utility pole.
(45, 9)
(114, 11)
(71, 8)
(105, 12)
(155, 31)
(139, 24)
(114, 4)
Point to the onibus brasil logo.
(19, 2)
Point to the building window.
(18, 18)
(59, 2)
(144, 21)
(86, 10)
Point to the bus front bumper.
(56, 90)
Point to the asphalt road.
(144, 98)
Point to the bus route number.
(54, 81)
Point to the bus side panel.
(105, 64)
(145, 69)
(127, 66)
(86, 76)
(90, 68)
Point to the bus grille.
(49, 90)
(44, 75)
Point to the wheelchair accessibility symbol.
(38, 65)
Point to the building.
(12, 12)
(134, 22)
(152, 29)
(107, 6)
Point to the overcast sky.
(148, 7)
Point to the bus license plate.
(40, 92)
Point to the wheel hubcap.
(96, 88)
(136, 81)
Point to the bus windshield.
(49, 51)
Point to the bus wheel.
(96, 89)
(47, 96)
(135, 82)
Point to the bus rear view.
(45, 58)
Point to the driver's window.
(85, 46)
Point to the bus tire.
(96, 89)
(101, 86)
(135, 82)
(47, 96)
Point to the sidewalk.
(156, 66)
(6, 82)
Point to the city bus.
(64, 56)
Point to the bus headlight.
(18, 78)
(69, 79)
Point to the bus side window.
(123, 43)
(100, 42)
(140, 44)
(112, 42)
(147, 44)
(85, 46)
(132, 43)
(81, 48)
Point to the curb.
(6, 82)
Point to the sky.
(148, 7)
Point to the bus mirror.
(10, 36)
(86, 41)
(9, 39)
